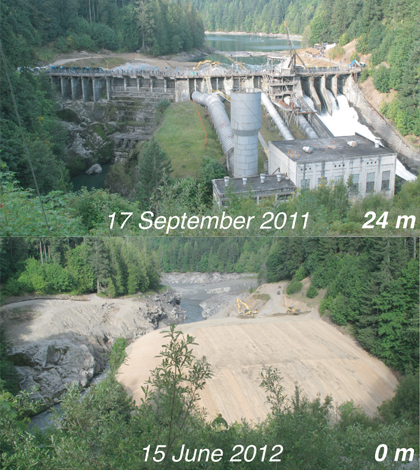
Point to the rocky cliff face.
(105, 131)
(57, 342)
(48, 366)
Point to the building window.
(322, 181)
(304, 184)
(370, 182)
(354, 188)
(386, 175)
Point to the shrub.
(355, 56)
(324, 306)
(311, 292)
(118, 354)
(162, 106)
(364, 75)
(381, 79)
(301, 273)
(336, 51)
(344, 39)
(294, 286)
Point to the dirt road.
(304, 348)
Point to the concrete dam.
(283, 95)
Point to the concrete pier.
(314, 95)
(86, 89)
(76, 88)
(65, 87)
(325, 96)
(98, 88)
(334, 85)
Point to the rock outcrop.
(167, 309)
(94, 169)
(47, 366)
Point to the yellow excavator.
(248, 311)
(292, 311)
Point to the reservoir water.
(250, 43)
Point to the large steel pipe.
(221, 122)
(281, 125)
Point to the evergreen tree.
(154, 167)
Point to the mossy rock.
(76, 165)
(69, 115)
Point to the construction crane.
(292, 50)
(248, 311)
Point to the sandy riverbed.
(304, 348)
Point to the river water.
(195, 293)
(91, 181)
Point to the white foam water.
(344, 120)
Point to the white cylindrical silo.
(246, 123)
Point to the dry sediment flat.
(304, 348)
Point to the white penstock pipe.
(220, 120)
(281, 125)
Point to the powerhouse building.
(313, 162)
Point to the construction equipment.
(292, 50)
(292, 311)
(248, 311)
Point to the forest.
(31, 28)
(30, 33)
(370, 284)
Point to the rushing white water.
(403, 173)
(344, 120)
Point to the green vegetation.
(294, 287)
(372, 285)
(9, 377)
(336, 52)
(311, 292)
(111, 266)
(182, 137)
(376, 282)
(87, 212)
(160, 27)
(118, 354)
(387, 30)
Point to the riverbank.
(269, 35)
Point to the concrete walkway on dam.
(304, 348)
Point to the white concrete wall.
(340, 169)
(278, 159)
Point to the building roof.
(270, 185)
(331, 149)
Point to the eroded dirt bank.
(56, 342)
